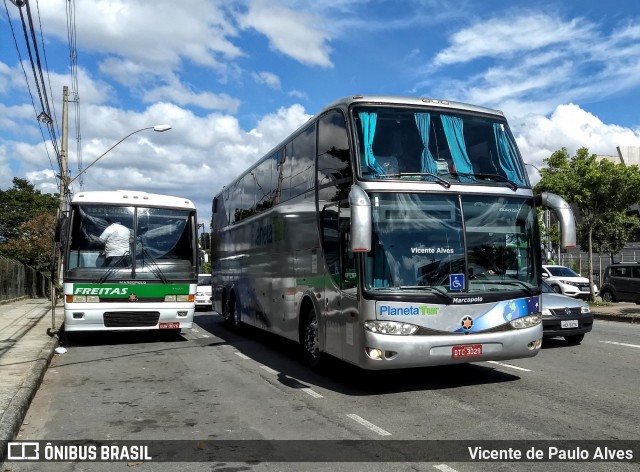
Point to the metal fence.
(18, 280)
(579, 261)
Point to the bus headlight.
(179, 298)
(526, 321)
(390, 327)
(82, 299)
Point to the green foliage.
(20, 204)
(601, 191)
(610, 233)
(597, 188)
(34, 246)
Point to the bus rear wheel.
(229, 315)
(310, 344)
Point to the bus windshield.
(466, 243)
(421, 144)
(154, 244)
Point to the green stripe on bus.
(124, 290)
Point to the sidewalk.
(26, 348)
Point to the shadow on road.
(283, 356)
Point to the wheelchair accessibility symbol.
(456, 282)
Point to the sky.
(235, 77)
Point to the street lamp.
(158, 128)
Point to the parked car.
(203, 291)
(621, 283)
(567, 282)
(564, 316)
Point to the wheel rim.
(311, 337)
(607, 297)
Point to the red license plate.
(468, 350)
(170, 325)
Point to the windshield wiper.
(496, 177)
(155, 268)
(439, 179)
(524, 286)
(112, 268)
(430, 288)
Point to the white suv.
(567, 282)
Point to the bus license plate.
(170, 325)
(468, 350)
(569, 323)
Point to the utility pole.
(64, 157)
(62, 208)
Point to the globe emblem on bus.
(509, 311)
(467, 323)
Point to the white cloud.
(183, 95)
(571, 127)
(267, 78)
(293, 33)
(194, 159)
(149, 37)
(508, 36)
(535, 61)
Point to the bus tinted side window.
(334, 182)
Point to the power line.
(73, 57)
(20, 3)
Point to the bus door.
(340, 315)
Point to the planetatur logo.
(468, 300)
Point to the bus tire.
(230, 315)
(311, 353)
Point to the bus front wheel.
(310, 345)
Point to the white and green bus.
(388, 232)
(150, 282)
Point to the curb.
(19, 404)
(624, 318)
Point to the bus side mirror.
(62, 230)
(360, 204)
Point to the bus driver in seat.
(116, 243)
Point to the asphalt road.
(211, 384)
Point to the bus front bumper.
(383, 351)
(89, 317)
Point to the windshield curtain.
(159, 244)
(410, 143)
(421, 240)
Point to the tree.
(611, 233)
(34, 247)
(600, 190)
(20, 204)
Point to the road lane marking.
(314, 394)
(368, 425)
(242, 356)
(509, 366)
(444, 468)
(269, 369)
(621, 344)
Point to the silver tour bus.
(388, 232)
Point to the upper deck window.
(409, 143)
